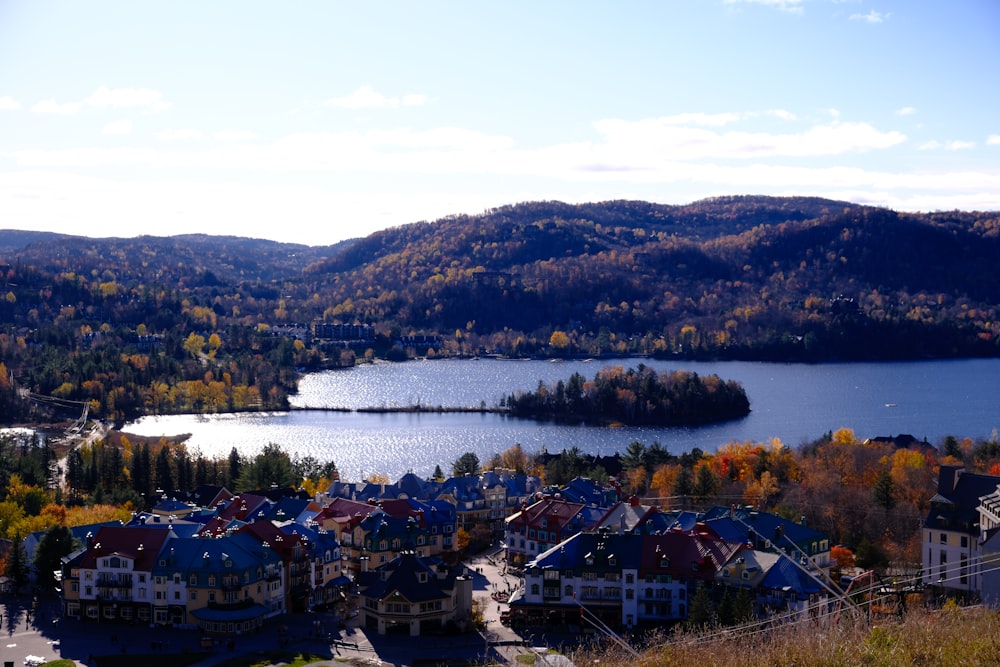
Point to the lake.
(793, 402)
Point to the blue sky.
(313, 122)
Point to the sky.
(311, 121)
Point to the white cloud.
(781, 113)
(8, 103)
(993, 140)
(104, 97)
(906, 111)
(954, 145)
(414, 100)
(51, 106)
(234, 135)
(366, 97)
(710, 119)
(179, 134)
(871, 17)
(651, 138)
(793, 6)
(118, 127)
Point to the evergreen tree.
(17, 564)
(952, 448)
(726, 610)
(467, 463)
(272, 466)
(684, 484)
(55, 543)
(164, 474)
(884, 490)
(141, 473)
(235, 468)
(707, 483)
(201, 474)
(702, 612)
(743, 611)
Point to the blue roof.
(748, 525)
(787, 576)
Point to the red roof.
(142, 545)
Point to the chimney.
(948, 479)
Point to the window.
(193, 580)
(193, 595)
(630, 578)
(965, 541)
(629, 594)
(944, 538)
(534, 589)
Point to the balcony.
(111, 581)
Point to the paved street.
(39, 632)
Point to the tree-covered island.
(635, 396)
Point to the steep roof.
(954, 507)
(141, 545)
(402, 575)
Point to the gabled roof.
(141, 545)
(402, 575)
(210, 495)
(414, 487)
(787, 576)
(292, 509)
(678, 553)
(625, 517)
(690, 554)
(245, 507)
(556, 514)
(274, 537)
(195, 554)
(749, 525)
(955, 506)
(587, 491)
(343, 510)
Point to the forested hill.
(730, 277)
(752, 277)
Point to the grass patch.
(277, 657)
(147, 660)
(62, 662)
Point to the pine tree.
(743, 610)
(55, 543)
(17, 564)
(884, 490)
(702, 612)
